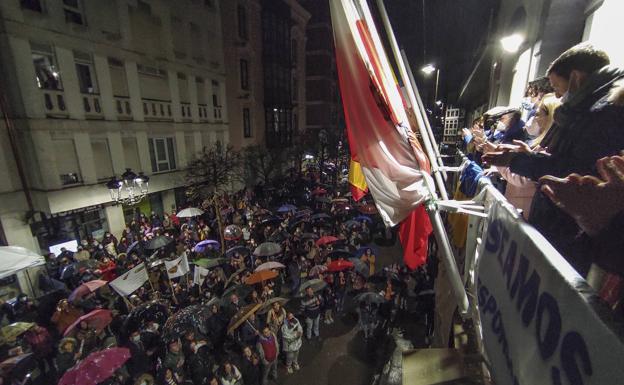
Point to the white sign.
(130, 280)
(539, 321)
(69, 245)
(199, 275)
(178, 267)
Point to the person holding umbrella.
(292, 331)
(268, 349)
(311, 310)
(275, 317)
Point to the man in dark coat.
(588, 126)
(140, 361)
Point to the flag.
(199, 275)
(178, 267)
(130, 281)
(378, 128)
(357, 180)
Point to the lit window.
(86, 73)
(46, 71)
(73, 12)
(162, 154)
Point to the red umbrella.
(368, 209)
(326, 240)
(319, 191)
(96, 368)
(339, 265)
(86, 288)
(97, 319)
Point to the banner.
(199, 275)
(541, 323)
(178, 267)
(130, 281)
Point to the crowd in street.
(558, 158)
(255, 276)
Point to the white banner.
(199, 275)
(130, 281)
(178, 267)
(540, 321)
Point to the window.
(162, 154)
(86, 73)
(215, 94)
(242, 22)
(33, 5)
(46, 70)
(73, 11)
(295, 89)
(293, 52)
(246, 123)
(244, 74)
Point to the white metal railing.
(154, 109)
(92, 106)
(185, 110)
(217, 111)
(123, 108)
(54, 102)
(202, 112)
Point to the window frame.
(27, 5)
(168, 163)
(78, 10)
(247, 132)
(46, 51)
(244, 74)
(241, 17)
(92, 74)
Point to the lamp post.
(130, 189)
(428, 70)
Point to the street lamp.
(511, 43)
(428, 70)
(130, 189)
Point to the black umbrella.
(320, 217)
(267, 249)
(155, 311)
(242, 250)
(240, 290)
(337, 254)
(271, 221)
(370, 297)
(352, 224)
(158, 242)
(315, 284)
(189, 318)
(309, 236)
(68, 271)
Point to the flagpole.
(419, 118)
(456, 282)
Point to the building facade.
(264, 49)
(453, 123)
(94, 88)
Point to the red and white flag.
(379, 132)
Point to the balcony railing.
(122, 108)
(187, 115)
(154, 109)
(202, 110)
(70, 179)
(92, 106)
(54, 102)
(217, 113)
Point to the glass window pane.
(152, 155)
(161, 153)
(171, 152)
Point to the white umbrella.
(15, 258)
(190, 212)
(270, 266)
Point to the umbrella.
(320, 217)
(360, 267)
(97, 367)
(340, 200)
(10, 332)
(267, 305)
(316, 270)
(234, 274)
(339, 265)
(86, 288)
(156, 263)
(267, 249)
(132, 246)
(68, 271)
(189, 212)
(319, 191)
(337, 254)
(316, 285)
(323, 199)
(241, 291)
(97, 319)
(309, 236)
(351, 224)
(286, 208)
(189, 318)
(202, 246)
(149, 311)
(271, 221)
(269, 266)
(303, 213)
(242, 250)
(327, 239)
(232, 233)
(363, 218)
(370, 297)
(158, 242)
(296, 223)
(207, 263)
(242, 315)
(18, 367)
(367, 209)
(261, 276)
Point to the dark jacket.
(589, 126)
(252, 374)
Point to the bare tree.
(214, 169)
(262, 163)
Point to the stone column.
(84, 153)
(69, 77)
(134, 90)
(105, 84)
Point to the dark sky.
(454, 31)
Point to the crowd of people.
(558, 159)
(277, 263)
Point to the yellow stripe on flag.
(356, 176)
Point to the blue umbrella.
(363, 218)
(286, 208)
(206, 244)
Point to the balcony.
(122, 108)
(92, 106)
(217, 111)
(202, 110)
(185, 109)
(157, 110)
(54, 102)
(70, 179)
